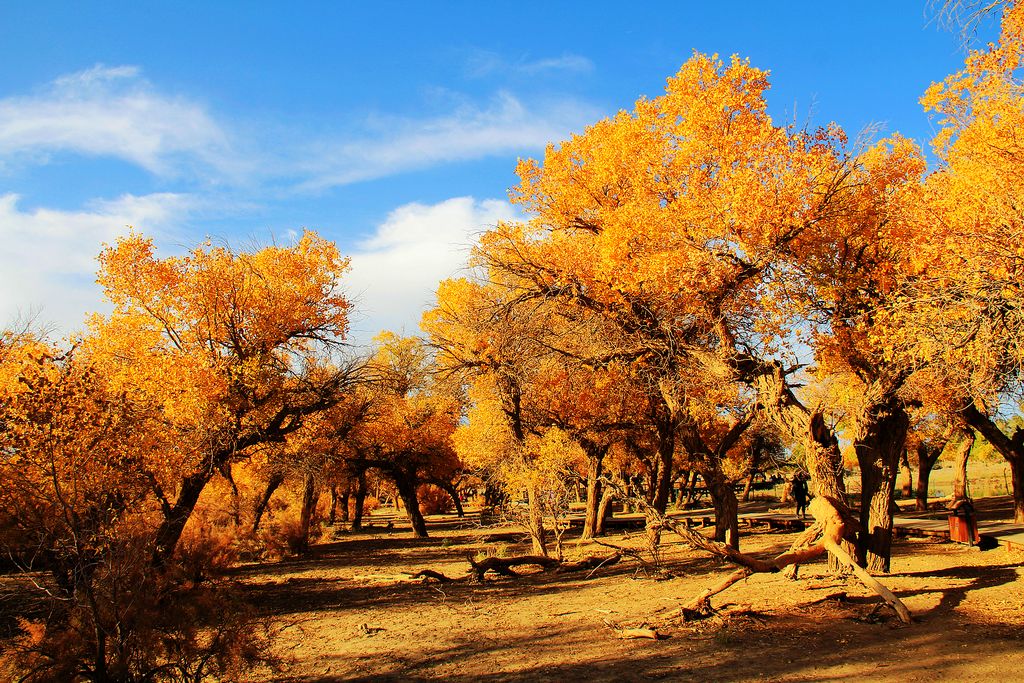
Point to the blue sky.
(391, 128)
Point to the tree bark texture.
(963, 455)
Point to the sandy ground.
(350, 611)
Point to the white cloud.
(396, 271)
(506, 126)
(48, 257)
(482, 63)
(114, 112)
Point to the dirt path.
(349, 612)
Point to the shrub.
(434, 500)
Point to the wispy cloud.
(115, 112)
(112, 112)
(48, 257)
(505, 126)
(485, 63)
(396, 270)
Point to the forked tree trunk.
(963, 455)
(927, 456)
(276, 479)
(881, 438)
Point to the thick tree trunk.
(276, 479)
(360, 501)
(723, 497)
(175, 518)
(880, 440)
(963, 455)
(406, 486)
(310, 498)
(824, 461)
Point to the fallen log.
(503, 565)
(592, 562)
(831, 519)
(431, 574)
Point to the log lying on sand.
(431, 574)
(592, 562)
(503, 565)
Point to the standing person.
(800, 494)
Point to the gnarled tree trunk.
(963, 455)
(535, 522)
(406, 485)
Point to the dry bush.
(434, 500)
(206, 550)
(125, 622)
